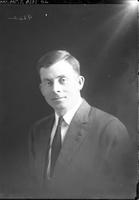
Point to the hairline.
(64, 60)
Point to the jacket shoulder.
(43, 121)
(42, 124)
(104, 121)
(102, 116)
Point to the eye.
(47, 83)
(63, 80)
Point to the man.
(86, 156)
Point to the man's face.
(61, 85)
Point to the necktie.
(56, 145)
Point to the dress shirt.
(65, 125)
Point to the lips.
(58, 98)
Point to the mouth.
(58, 98)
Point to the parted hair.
(55, 56)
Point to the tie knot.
(60, 120)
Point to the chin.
(58, 105)
(61, 108)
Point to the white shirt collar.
(69, 115)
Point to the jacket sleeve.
(31, 150)
(119, 161)
(34, 186)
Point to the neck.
(61, 112)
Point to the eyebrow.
(49, 79)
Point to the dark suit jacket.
(93, 162)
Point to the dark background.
(102, 37)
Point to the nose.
(56, 87)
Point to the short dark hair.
(53, 57)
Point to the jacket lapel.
(74, 137)
(44, 146)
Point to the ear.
(81, 82)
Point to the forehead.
(61, 68)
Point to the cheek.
(46, 93)
(72, 89)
